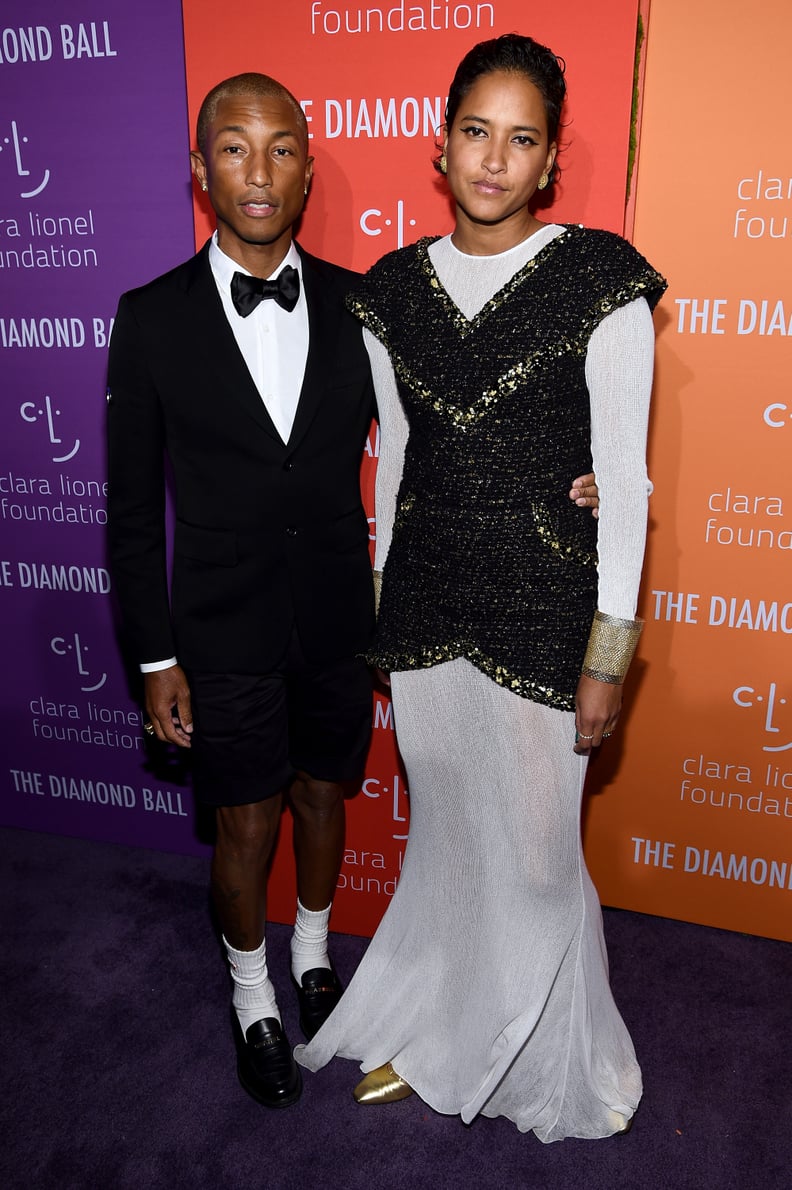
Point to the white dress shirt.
(273, 341)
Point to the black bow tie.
(247, 292)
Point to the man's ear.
(198, 167)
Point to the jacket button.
(291, 531)
(287, 466)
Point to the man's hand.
(597, 712)
(168, 705)
(585, 493)
(383, 677)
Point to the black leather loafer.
(320, 992)
(266, 1066)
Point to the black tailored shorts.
(253, 732)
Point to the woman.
(506, 356)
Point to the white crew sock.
(254, 995)
(309, 940)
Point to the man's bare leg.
(319, 822)
(245, 840)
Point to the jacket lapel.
(221, 361)
(323, 317)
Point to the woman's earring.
(543, 181)
(204, 187)
(443, 163)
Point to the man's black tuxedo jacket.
(267, 534)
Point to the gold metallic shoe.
(382, 1085)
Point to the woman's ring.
(606, 735)
(581, 736)
(149, 728)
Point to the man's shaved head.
(259, 85)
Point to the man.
(263, 407)
(263, 410)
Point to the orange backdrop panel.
(696, 821)
(375, 100)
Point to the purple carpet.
(119, 1068)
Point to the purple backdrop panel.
(94, 199)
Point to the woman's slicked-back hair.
(513, 54)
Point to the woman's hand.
(598, 705)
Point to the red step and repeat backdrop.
(373, 83)
(691, 805)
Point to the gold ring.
(149, 728)
(606, 735)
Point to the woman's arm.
(619, 368)
(393, 439)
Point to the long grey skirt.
(486, 983)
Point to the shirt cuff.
(151, 667)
